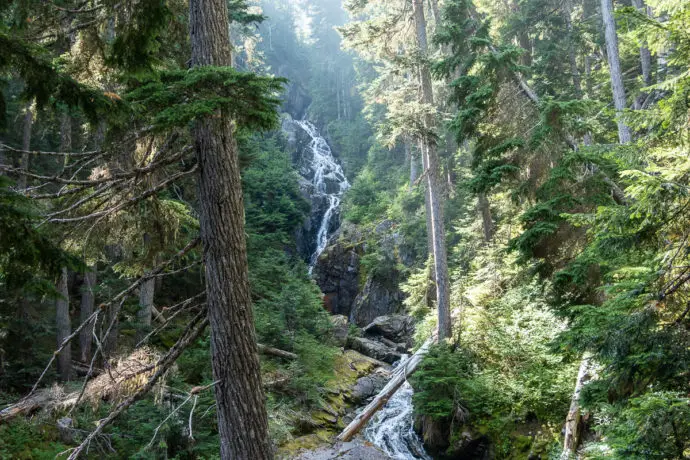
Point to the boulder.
(397, 328)
(373, 349)
(340, 330)
(366, 387)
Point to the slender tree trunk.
(432, 171)
(414, 163)
(63, 329)
(617, 86)
(487, 219)
(85, 310)
(645, 54)
(147, 291)
(26, 144)
(62, 319)
(573, 425)
(242, 418)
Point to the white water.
(391, 428)
(326, 170)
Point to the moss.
(308, 442)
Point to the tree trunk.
(487, 220)
(404, 370)
(617, 86)
(432, 171)
(573, 426)
(242, 418)
(147, 291)
(414, 166)
(63, 329)
(85, 310)
(26, 144)
(645, 54)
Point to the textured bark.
(433, 184)
(617, 86)
(242, 419)
(26, 144)
(573, 423)
(85, 309)
(487, 220)
(147, 291)
(63, 328)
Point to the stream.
(329, 183)
(391, 430)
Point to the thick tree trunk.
(573, 424)
(63, 328)
(404, 370)
(147, 291)
(617, 86)
(433, 183)
(85, 310)
(242, 419)
(26, 144)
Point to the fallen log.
(399, 377)
(275, 352)
(573, 424)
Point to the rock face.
(378, 297)
(337, 273)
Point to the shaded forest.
(361, 229)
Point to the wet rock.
(337, 274)
(357, 449)
(366, 387)
(397, 328)
(340, 330)
(373, 349)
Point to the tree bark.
(573, 426)
(487, 219)
(242, 418)
(432, 171)
(147, 291)
(404, 370)
(26, 144)
(645, 54)
(414, 163)
(617, 86)
(63, 328)
(85, 309)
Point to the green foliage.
(176, 97)
(652, 426)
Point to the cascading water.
(391, 428)
(329, 182)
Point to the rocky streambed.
(361, 370)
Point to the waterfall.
(329, 183)
(391, 428)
